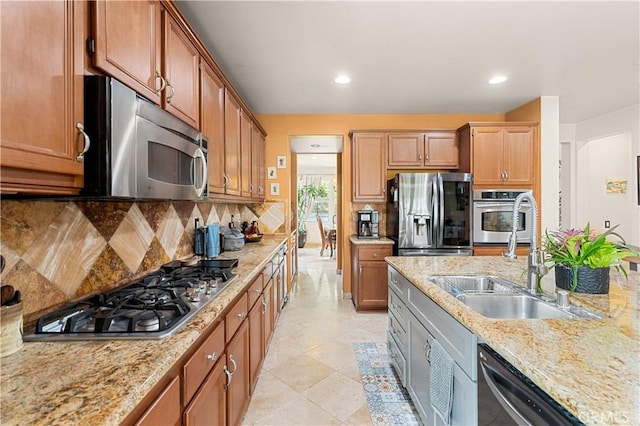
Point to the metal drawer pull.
(242, 315)
(212, 356)
(87, 142)
(173, 92)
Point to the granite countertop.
(101, 382)
(362, 241)
(590, 366)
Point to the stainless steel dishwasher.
(507, 397)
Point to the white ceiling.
(424, 56)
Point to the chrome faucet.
(535, 264)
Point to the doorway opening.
(316, 181)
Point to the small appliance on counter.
(208, 240)
(368, 223)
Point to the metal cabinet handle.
(242, 315)
(229, 373)
(163, 83)
(251, 188)
(87, 142)
(258, 291)
(375, 254)
(173, 92)
(212, 356)
(225, 180)
(426, 157)
(506, 175)
(419, 157)
(427, 352)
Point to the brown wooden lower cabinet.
(165, 409)
(369, 286)
(269, 313)
(238, 366)
(208, 407)
(256, 342)
(498, 250)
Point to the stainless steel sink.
(496, 297)
(458, 284)
(513, 306)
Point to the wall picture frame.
(275, 189)
(271, 173)
(281, 162)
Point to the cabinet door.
(256, 346)
(257, 163)
(232, 143)
(212, 122)
(238, 363)
(208, 407)
(419, 369)
(405, 150)
(372, 284)
(180, 69)
(246, 130)
(441, 150)
(488, 164)
(42, 96)
(519, 155)
(268, 323)
(127, 35)
(165, 409)
(369, 167)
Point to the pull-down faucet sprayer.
(535, 265)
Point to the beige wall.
(281, 127)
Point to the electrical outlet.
(607, 224)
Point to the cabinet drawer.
(398, 333)
(202, 361)
(398, 360)
(455, 338)
(373, 253)
(398, 308)
(255, 290)
(234, 318)
(165, 410)
(399, 284)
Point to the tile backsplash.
(57, 251)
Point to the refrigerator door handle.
(440, 220)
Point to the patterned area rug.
(388, 401)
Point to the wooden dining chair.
(328, 240)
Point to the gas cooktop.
(152, 307)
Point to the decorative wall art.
(616, 186)
(271, 173)
(282, 162)
(275, 189)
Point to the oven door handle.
(198, 154)
(490, 375)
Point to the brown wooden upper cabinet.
(212, 122)
(369, 167)
(501, 154)
(246, 130)
(232, 147)
(423, 150)
(42, 102)
(257, 163)
(140, 44)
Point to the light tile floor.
(310, 375)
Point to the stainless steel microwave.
(137, 149)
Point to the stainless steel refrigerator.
(430, 214)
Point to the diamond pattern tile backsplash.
(59, 251)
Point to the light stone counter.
(369, 241)
(590, 366)
(100, 383)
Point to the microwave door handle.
(199, 189)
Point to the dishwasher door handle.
(490, 375)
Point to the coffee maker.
(368, 223)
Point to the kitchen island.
(590, 366)
(102, 382)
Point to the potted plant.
(306, 196)
(582, 258)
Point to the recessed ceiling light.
(498, 79)
(342, 79)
